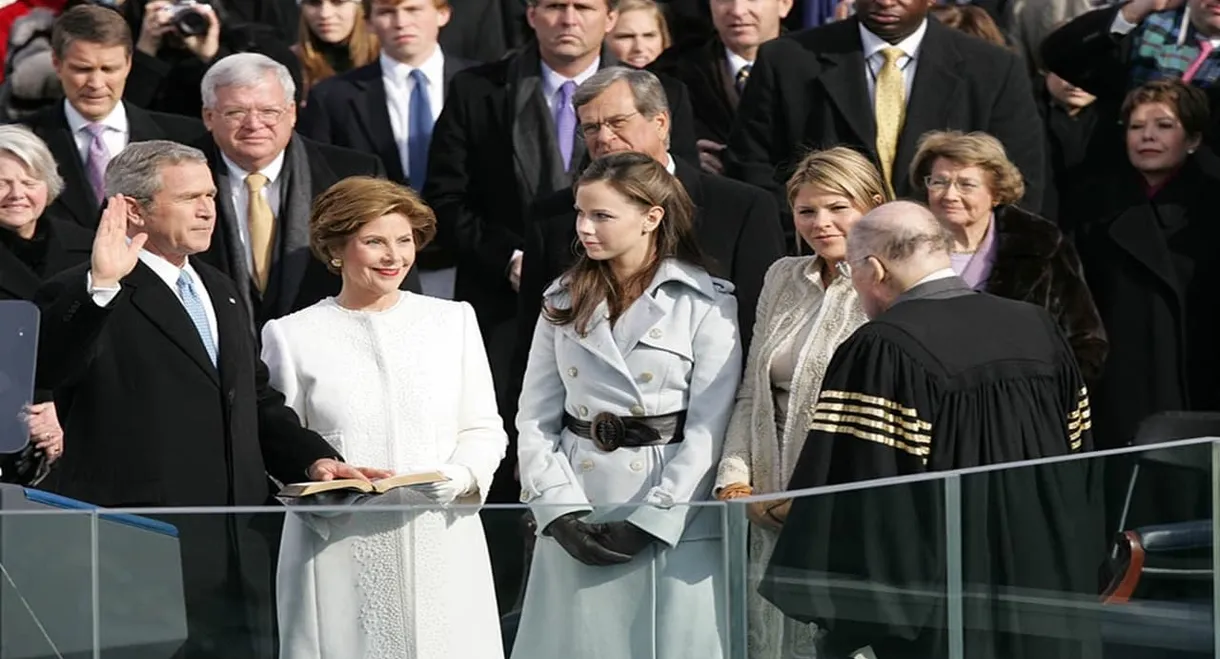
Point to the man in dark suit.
(370, 108)
(170, 403)
(878, 81)
(506, 137)
(716, 69)
(91, 51)
(262, 242)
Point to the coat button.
(572, 372)
(645, 377)
(525, 496)
(637, 410)
(655, 333)
(584, 411)
(637, 466)
(586, 465)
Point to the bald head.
(905, 243)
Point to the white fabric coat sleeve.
(481, 440)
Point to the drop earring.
(338, 263)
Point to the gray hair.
(136, 171)
(897, 232)
(29, 149)
(645, 87)
(244, 70)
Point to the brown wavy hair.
(355, 201)
(646, 184)
(362, 49)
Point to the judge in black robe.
(946, 378)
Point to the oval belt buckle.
(607, 431)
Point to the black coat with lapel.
(76, 202)
(1151, 267)
(493, 154)
(703, 68)
(808, 91)
(298, 279)
(349, 110)
(154, 423)
(67, 245)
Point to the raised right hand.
(113, 256)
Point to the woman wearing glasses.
(972, 187)
(806, 309)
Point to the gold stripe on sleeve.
(894, 431)
(920, 452)
(885, 403)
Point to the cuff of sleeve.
(733, 469)
(665, 524)
(102, 295)
(1121, 25)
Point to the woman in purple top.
(972, 187)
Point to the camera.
(187, 18)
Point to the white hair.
(244, 70)
(29, 149)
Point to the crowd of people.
(609, 259)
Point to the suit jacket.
(493, 153)
(77, 202)
(809, 91)
(702, 67)
(297, 278)
(154, 423)
(349, 110)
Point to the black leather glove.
(583, 541)
(624, 537)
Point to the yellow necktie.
(262, 229)
(889, 109)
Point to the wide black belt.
(611, 431)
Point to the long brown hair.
(644, 182)
(362, 48)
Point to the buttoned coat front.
(674, 349)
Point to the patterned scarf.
(1156, 53)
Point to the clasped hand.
(606, 543)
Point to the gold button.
(525, 497)
(584, 411)
(655, 333)
(637, 410)
(586, 465)
(637, 466)
(572, 372)
(645, 377)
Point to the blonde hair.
(353, 202)
(625, 6)
(975, 149)
(843, 171)
(362, 49)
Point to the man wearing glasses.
(266, 177)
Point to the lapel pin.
(232, 301)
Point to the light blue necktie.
(194, 309)
(419, 133)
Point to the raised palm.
(114, 257)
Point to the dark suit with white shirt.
(77, 202)
(154, 423)
(813, 90)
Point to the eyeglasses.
(940, 184)
(615, 124)
(265, 116)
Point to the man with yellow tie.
(877, 81)
(266, 178)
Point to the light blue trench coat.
(676, 348)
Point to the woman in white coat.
(400, 382)
(806, 309)
(627, 394)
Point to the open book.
(355, 486)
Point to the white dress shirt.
(552, 81)
(396, 77)
(115, 136)
(669, 164)
(168, 273)
(943, 273)
(874, 60)
(736, 64)
(241, 197)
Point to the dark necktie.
(743, 76)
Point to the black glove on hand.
(623, 537)
(583, 541)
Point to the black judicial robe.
(946, 379)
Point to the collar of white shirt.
(116, 120)
(168, 272)
(552, 81)
(669, 164)
(736, 63)
(271, 171)
(873, 44)
(943, 273)
(397, 73)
